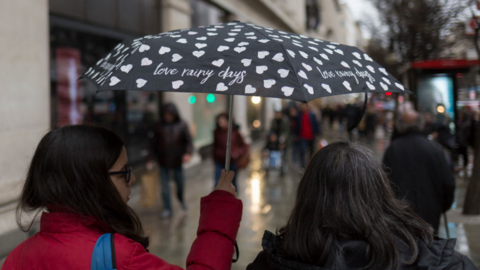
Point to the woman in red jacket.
(79, 179)
(220, 138)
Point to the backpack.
(103, 256)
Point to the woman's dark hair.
(69, 170)
(224, 114)
(346, 195)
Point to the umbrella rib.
(288, 58)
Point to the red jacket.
(220, 138)
(66, 241)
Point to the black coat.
(439, 255)
(420, 173)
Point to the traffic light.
(210, 98)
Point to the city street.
(267, 202)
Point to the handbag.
(244, 159)
(103, 256)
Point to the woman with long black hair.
(346, 216)
(79, 181)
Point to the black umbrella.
(241, 59)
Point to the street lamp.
(256, 100)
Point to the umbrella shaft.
(229, 138)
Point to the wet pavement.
(267, 202)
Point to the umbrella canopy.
(241, 59)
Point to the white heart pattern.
(114, 80)
(331, 47)
(177, 84)
(249, 89)
(327, 87)
(146, 61)
(357, 55)
(370, 86)
(141, 83)
(318, 61)
(164, 50)
(239, 49)
(343, 63)
(126, 68)
(298, 45)
(309, 88)
(283, 72)
(302, 74)
(268, 83)
(200, 45)
(198, 54)
(192, 33)
(201, 38)
(356, 62)
(246, 62)
(212, 34)
(313, 48)
(144, 47)
(223, 48)
(243, 44)
(339, 51)
(261, 69)
(262, 54)
(307, 67)
(221, 87)
(249, 34)
(371, 69)
(292, 54)
(328, 51)
(263, 40)
(324, 56)
(314, 43)
(232, 34)
(386, 80)
(218, 62)
(400, 86)
(304, 54)
(347, 85)
(182, 40)
(252, 37)
(384, 71)
(236, 30)
(278, 57)
(384, 86)
(176, 57)
(230, 39)
(287, 90)
(368, 58)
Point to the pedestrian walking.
(220, 138)
(80, 181)
(307, 130)
(463, 136)
(346, 216)
(172, 147)
(295, 140)
(418, 170)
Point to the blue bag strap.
(103, 256)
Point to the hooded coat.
(171, 140)
(351, 255)
(66, 241)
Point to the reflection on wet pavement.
(267, 203)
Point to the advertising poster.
(68, 88)
(436, 96)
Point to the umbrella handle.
(229, 138)
(350, 128)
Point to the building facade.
(47, 45)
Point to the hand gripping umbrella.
(240, 59)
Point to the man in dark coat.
(419, 171)
(172, 146)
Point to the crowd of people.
(352, 211)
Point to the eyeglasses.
(127, 173)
